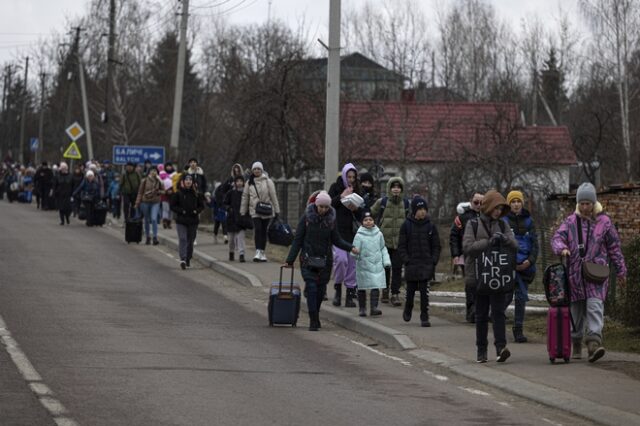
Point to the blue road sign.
(122, 154)
(34, 143)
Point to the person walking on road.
(419, 251)
(348, 216)
(76, 179)
(259, 199)
(371, 262)
(521, 224)
(236, 223)
(148, 201)
(588, 238)
(129, 186)
(391, 211)
(369, 194)
(315, 235)
(480, 234)
(62, 191)
(199, 179)
(90, 192)
(187, 204)
(470, 211)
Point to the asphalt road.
(122, 336)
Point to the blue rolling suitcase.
(284, 302)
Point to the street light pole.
(24, 111)
(332, 120)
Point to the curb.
(546, 395)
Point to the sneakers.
(503, 354)
(183, 265)
(425, 323)
(148, 241)
(155, 241)
(226, 239)
(256, 258)
(241, 259)
(576, 352)
(263, 257)
(518, 336)
(481, 357)
(188, 263)
(596, 351)
(395, 300)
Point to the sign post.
(123, 154)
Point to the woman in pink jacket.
(600, 245)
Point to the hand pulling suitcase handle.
(280, 286)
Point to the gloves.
(496, 238)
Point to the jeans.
(186, 237)
(260, 228)
(496, 303)
(393, 274)
(216, 227)
(588, 314)
(315, 291)
(423, 287)
(150, 212)
(521, 298)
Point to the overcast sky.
(23, 21)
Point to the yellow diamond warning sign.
(74, 131)
(73, 152)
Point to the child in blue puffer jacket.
(371, 262)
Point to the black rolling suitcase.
(284, 302)
(99, 213)
(133, 229)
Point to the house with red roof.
(450, 149)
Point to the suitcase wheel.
(552, 360)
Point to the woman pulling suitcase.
(315, 235)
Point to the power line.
(211, 5)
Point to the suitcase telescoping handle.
(291, 283)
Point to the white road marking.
(551, 422)
(474, 391)
(33, 379)
(382, 354)
(436, 376)
(504, 404)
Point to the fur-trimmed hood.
(328, 219)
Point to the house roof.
(446, 132)
(353, 67)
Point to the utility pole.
(6, 111)
(41, 123)
(110, 69)
(24, 111)
(85, 110)
(177, 100)
(332, 119)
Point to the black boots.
(518, 336)
(375, 297)
(337, 298)
(385, 295)
(348, 301)
(314, 321)
(231, 256)
(362, 303)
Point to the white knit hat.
(257, 165)
(90, 173)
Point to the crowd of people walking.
(366, 242)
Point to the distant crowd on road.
(366, 242)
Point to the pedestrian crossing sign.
(73, 152)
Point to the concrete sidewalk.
(601, 392)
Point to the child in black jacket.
(236, 224)
(419, 249)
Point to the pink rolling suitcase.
(559, 333)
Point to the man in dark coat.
(62, 190)
(43, 183)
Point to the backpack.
(383, 205)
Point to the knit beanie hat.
(493, 199)
(514, 195)
(323, 199)
(257, 165)
(366, 177)
(64, 166)
(418, 203)
(90, 173)
(586, 192)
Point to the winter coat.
(419, 249)
(76, 179)
(370, 198)
(315, 236)
(62, 190)
(227, 185)
(262, 189)
(475, 242)
(347, 221)
(603, 247)
(199, 180)
(114, 190)
(372, 259)
(393, 215)
(232, 202)
(187, 204)
(457, 230)
(130, 183)
(93, 189)
(150, 190)
(525, 232)
(43, 180)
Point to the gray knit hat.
(586, 192)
